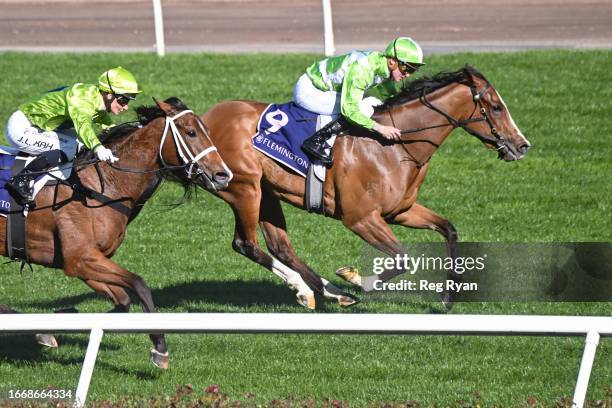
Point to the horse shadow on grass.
(218, 296)
(18, 348)
(214, 296)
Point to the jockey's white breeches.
(28, 138)
(306, 95)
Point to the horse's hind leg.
(274, 228)
(46, 340)
(92, 265)
(422, 217)
(116, 294)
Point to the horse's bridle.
(497, 140)
(189, 160)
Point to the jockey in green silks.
(337, 85)
(51, 126)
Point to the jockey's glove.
(104, 154)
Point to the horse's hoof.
(307, 300)
(160, 359)
(350, 274)
(348, 301)
(46, 340)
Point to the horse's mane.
(427, 85)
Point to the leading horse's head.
(186, 144)
(490, 121)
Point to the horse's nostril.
(523, 148)
(221, 177)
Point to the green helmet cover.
(405, 49)
(119, 81)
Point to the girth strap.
(116, 204)
(16, 224)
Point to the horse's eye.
(191, 133)
(497, 108)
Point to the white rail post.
(95, 337)
(328, 29)
(159, 28)
(588, 357)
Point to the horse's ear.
(472, 74)
(166, 107)
(468, 73)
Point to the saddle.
(12, 161)
(281, 131)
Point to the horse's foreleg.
(422, 217)
(246, 212)
(274, 228)
(95, 267)
(249, 247)
(374, 230)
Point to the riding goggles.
(124, 99)
(407, 68)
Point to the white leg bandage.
(291, 277)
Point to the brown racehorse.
(79, 234)
(372, 183)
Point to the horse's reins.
(419, 163)
(498, 140)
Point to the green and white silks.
(80, 104)
(342, 82)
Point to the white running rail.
(328, 29)
(500, 325)
(158, 19)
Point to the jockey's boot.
(316, 144)
(20, 184)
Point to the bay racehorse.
(372, 182)
(69, 229)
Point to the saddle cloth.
(8, 158)
(281, 130)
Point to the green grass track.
(561, 100)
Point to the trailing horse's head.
(186, 144)
(491, 121)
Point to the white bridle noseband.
(185, 154)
